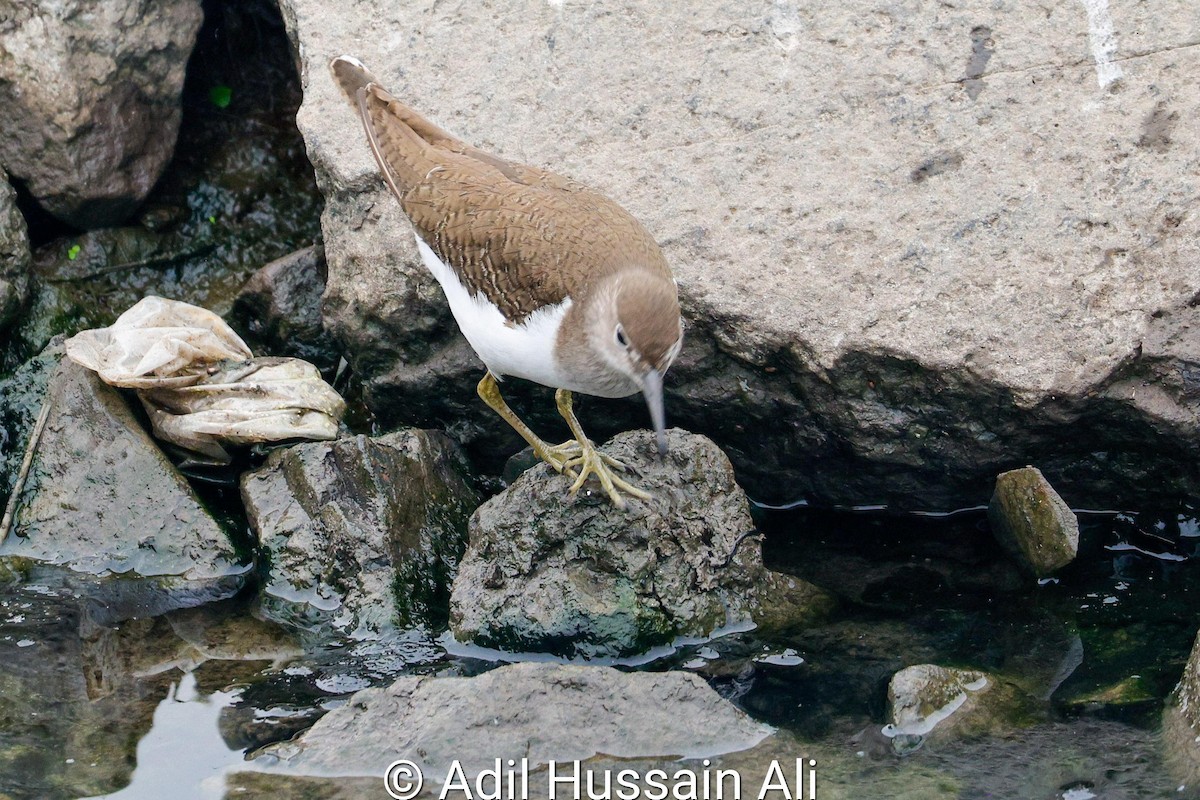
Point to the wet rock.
(1181, 722)
(529, 710)
(787, 604)
(926, 698)
(582, 578)
(92, 90)
(14, 256)
(366, 532)
(102, 499)
(279, 309)
(1032, 522)
(904, 365)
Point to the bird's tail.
(351, 76)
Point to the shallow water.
(165, 706)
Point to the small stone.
(579, 577)
(529, 710)
(366, 531)
(1032, 522)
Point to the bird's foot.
(591, 461)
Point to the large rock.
(583, 578)
(906, 263)
(91, 93)
(1032, 522)
(14, 255)
(541, 712)
(1181, 722)
(365, 532)
(102, 499)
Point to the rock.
(1181, 722)
(14, 256)
(278, 311)
(926, 698)
(1032, 522)
(537, 711)
(906, 270)
(364, 531)
(582, 578)
(92, 89)
(787, 604)
(102, 499)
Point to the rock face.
(535, 711)
(14, 256)
(1032, 522)
(582, 578)
(91, 91)
(364, 531)
(102, 498)
(906, 271)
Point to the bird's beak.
(652, 389)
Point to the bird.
(548, 280)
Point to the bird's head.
(637, 331)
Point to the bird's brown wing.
(512, 232)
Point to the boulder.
(364, 532)
(91, 90)
(1032, 523)
(103, 500)
(14, 256)
(541, 712)
(916, 244)
(580, 577)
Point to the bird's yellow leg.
(591, 461)
(557, 456)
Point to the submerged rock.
(897, 327)
(581, 578)
(541, 712)
(925, 697)
(927, 700)
(14, 255)
(102, 499)
(365, 531)
(278, 311)
(1032, 522)
(91, 90)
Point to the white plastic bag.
(200, 383)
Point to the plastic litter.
(201, 385)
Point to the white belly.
(523, 351)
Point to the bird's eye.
(621, 340)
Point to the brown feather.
(522, 236)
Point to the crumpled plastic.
(201, 385)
